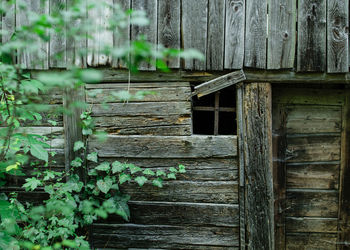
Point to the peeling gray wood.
(337, 36)
(311, 35)
(8, 23)
(311, 224)
(255, 34)
(281, 34)
(166, 146)
(311, 241)
(219, 83)
(39, 57)
(169, 18)
(158, 236)
(57, 57)
(99, 37)
(150, 31)
(194, 31)
(77, 48)
(259, 199)
(215, 36)
(234, 34)
(121, 36)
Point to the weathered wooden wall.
(199, 209)
(310, 132)
(232, 34)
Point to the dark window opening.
(215, 114)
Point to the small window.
(215, 114)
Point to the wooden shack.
(267, 158)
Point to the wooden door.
(310, 165)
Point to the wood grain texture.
(255, 34)
(344, 195)
(38, 56)
(257, 117)
(179, 213)
(337, 36)
(311, 35)
(281, 34)
(57, 57)
(77, 47)
(99, 37)
(305, 119)
(304, 202)
(313, 148)
(215, 35)
(139, 108)
(311, 224)
(8, 22)
(150, 31)
(234, 34)
(169, 22)
(311, 241)
(279, 144)
(194, 30)
(166, 146)
(156, 236)
(313, 175)
(121, 36)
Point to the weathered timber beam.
(257, 146)
(271, 76)
(221, 82)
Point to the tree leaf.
(31, 183)
(141, 180)
(39, 152)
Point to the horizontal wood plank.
(179, 237)
(139, 108)
(313, 175)
(314, 225)
(156, 94)
(198, 169)
(167, 130)
(179, 213)
(313, 119)
(310, 241)
(220, 192)
(312, 203)
(313, 148)
(166, 146)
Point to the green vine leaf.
(171, 176)
(105, 184)
(158, 182)
(92, 157)
(172, 169)
(134, 169)
(124, 177)
(78, 145)
(104, 166)
(31, 183)
(182, 169)
(141, 180)
(160, 173)
(149, 172)
(118, 167)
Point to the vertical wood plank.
(150, 31)
(71, 122)
(234, 34)
(99, 36)
(76, 48)
(344, 194)
(281, 34)
(169, 27)
(337, 36)
(259, 203)
(57, 58)
(8, 23)
(39, 57)
(241, 132)
(255, 34)
(194, 30)
(121, 37)
(279, 145)
(216, 33)
(311, 54)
